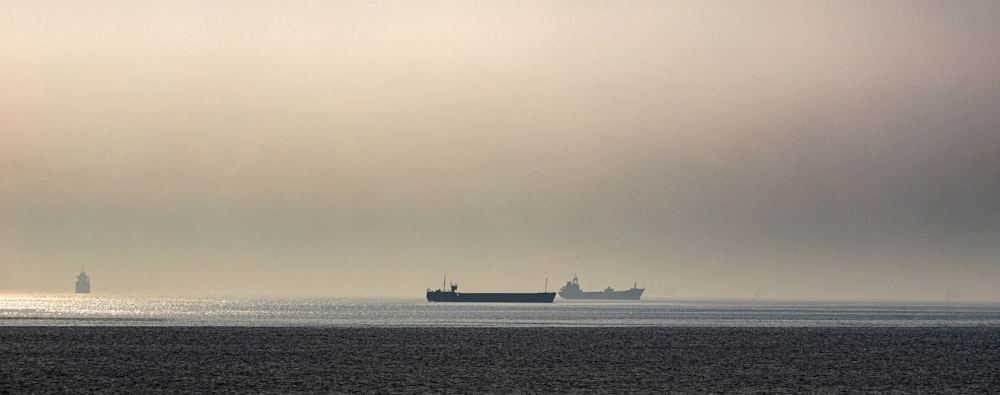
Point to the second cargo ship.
(572, 291)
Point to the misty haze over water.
(773, 150)
(261, 192)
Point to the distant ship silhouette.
(82, 282)
(452, 295)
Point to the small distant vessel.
(82, 282)
(572, 291)
(452, 295)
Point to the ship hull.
(632, 294)
(539, 297)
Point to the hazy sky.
(705, 149)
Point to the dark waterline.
(506, 360)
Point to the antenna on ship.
(546, 284)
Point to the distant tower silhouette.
(82, 282)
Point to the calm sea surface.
(122, 310)
(63, 343)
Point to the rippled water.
(599, 360)
(130, 310)
(67, 343)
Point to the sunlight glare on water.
(133, 310)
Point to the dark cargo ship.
(572, 291)
(452, 295)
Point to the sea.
(96, 343)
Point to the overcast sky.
(764, 149)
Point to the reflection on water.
(127, 310)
